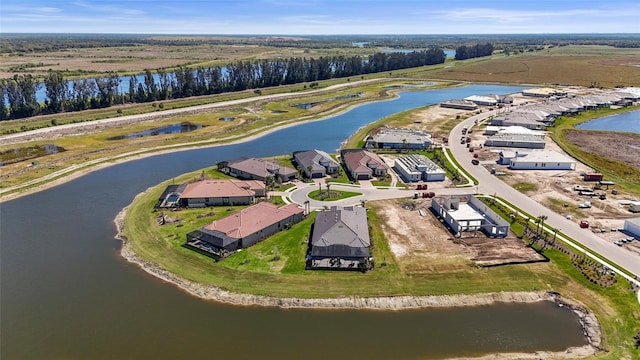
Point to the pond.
(183, 127)
(27, 153)
(628, 122)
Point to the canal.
(67, 293)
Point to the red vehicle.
(584, 224)
(592, 177)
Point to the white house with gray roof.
(417, 167)
(315, 163)
(541, 160)
(340, 240)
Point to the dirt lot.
(626, 149)
(556, 189)
(424, 244)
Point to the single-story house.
(362, 164)
(459, 104)
(515, 141)
(511, 130)
(518, 120)
(542, 160)
(221, 192)
(417, 167)
(482, 100)
(340, 240)
(315, 163)
(399, 138)
(466, 213)
(541, 92)
(257, 169)
(507, 155)
(244, 228)
(632, 226)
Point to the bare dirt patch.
(626, 149)
(436, 120)
(423, 244)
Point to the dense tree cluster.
(468, 52)
(91, 93)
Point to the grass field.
(136, 58)
(569, 65)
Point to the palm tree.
(555, 233)
(542, 219)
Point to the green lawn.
(332, 195)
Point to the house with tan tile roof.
(221, 192)
(363, 164)
(244, 228)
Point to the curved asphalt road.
(490, 185)
(300, 195)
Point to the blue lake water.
(628, 122)
(68, 294)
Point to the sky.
(319, 17)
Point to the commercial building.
(243, 229)
(417, 167)
(464, 213)
(315, 163)
(340, 240)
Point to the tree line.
(18, 94)
(467, 52)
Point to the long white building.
(539, 160)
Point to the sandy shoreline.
(588, 321)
